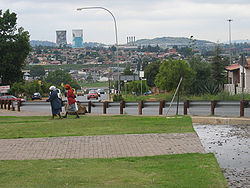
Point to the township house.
(235, 77)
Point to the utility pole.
(230, 40)
(243, 62)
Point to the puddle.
(231, 146)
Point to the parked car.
(92, 94)
(148, 93)
(36, 96)
(12, 98)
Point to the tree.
(202, 74)
(28, 88)
(89, 78)
(135, 86)
(14, 48)
(170, 73)
(151, 71)
(127, 71)
(37, 71)
(218, 68)
(58, 77)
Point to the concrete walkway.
(107, 146)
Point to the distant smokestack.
(134, 39)
(127, 40)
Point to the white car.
(100, 91)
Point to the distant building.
(61, 38)
(77, 41)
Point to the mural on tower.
(77, 38)
(61, 38)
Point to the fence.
(10, 105)
(241, 105)
(140, 105)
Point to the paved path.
(106, 146)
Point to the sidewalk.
(106, 146)
(4, 112)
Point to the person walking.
(72, 105)
(55, 102)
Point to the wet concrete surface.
(231, 146)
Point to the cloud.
(205, 19)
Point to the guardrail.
(10, 105)
(140, 105)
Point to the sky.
(144, 19)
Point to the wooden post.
(162, 105)
(9, 103)
(13, 107)
(121, 107)
(105, 107)
(140, 103)
(213, 104)
(18, 106)
(89, 106)
(186, 106)
(5, 104)
(242, 106)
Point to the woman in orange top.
(72, 105)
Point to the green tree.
(135, 86)
(37, 71)
(218, 68)
(14, 48)
(127, 71)
(58, 77)
(89, 78)
(151, 71)
(17, 88)
(36, 61)
(170, 73)
(202, 74)
(28, 88)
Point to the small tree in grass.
(170, 73)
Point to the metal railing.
(188, 106)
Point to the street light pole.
(116, 37)
(230, 53)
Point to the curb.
(220, 120)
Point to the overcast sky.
(203, 19)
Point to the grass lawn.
(95, 84)
(42, 126)
(185, 170)
(223, 96)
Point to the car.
(11, 97)
(100, 91)
(36, 96)
(92, 94)
(148, 93)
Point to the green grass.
(42, 126)
(94, 85)
(223, 96)
(155, 97)
(182, 170)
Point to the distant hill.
(238, 41)
(93, 44)
(171, 41)
(35, 43)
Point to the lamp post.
(229, 24)
(116, 37)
